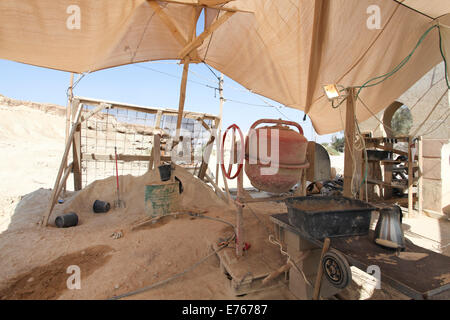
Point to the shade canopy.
(286, 50)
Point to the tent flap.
(284, 50)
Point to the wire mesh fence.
(130, 134)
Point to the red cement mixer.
(265, 173)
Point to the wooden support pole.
(95, 111)
(76, 121)
(67, 171)
(349, 142)
(239, 216)
(68, 114)
(205, 158)
(410, 179)
(186, 61)
(219, 129)
(182, 96)
(318, 283)
(76, 147)
(157, 126)
(216, 187)
(68, 108)
(157, 150)
(420, 183)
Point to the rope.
(426, 92)
(352, 154)
(70, 88)
(273, 241)
(430, 130)
(429, 115)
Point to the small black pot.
(165, 172)
(101, 206)
(66, 220)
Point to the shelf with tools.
(391, 169)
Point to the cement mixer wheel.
(336, 269)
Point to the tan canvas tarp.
(285, 50)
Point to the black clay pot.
(101, 206)
(165, 172)
(66, 220)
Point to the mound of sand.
(141, 257)
(196, 195)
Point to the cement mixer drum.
(276, 177)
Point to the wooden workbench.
(426, 278)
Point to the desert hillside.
(31, 144)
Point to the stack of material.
(326, 188)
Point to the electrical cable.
(289, 260)
(173, 76)
(443, 57)
(388, 75)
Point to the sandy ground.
(34, 260)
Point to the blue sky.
(154, 84)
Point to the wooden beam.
(171, 25)
(76, 121)
(213, 2)
(121, 157)
(157, 126)
(182, 99)
(410, 180)
(198, 4)
(187, 60)
(326, 246)
(205, 157)
(145, 109)
(216, 187)
(68, 170)
(197, 42)
(349, 142)
(420, 183)
(68, 113)
(76, 154)
(96, 110)
(157, 150)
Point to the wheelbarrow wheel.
(336, 269)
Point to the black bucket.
(66, 220)
(165, 172)
(101, 206)
(321, 217)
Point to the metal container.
(162, 199)
(322, 217)
(389, 232)
(292, 148)
(66, 220)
